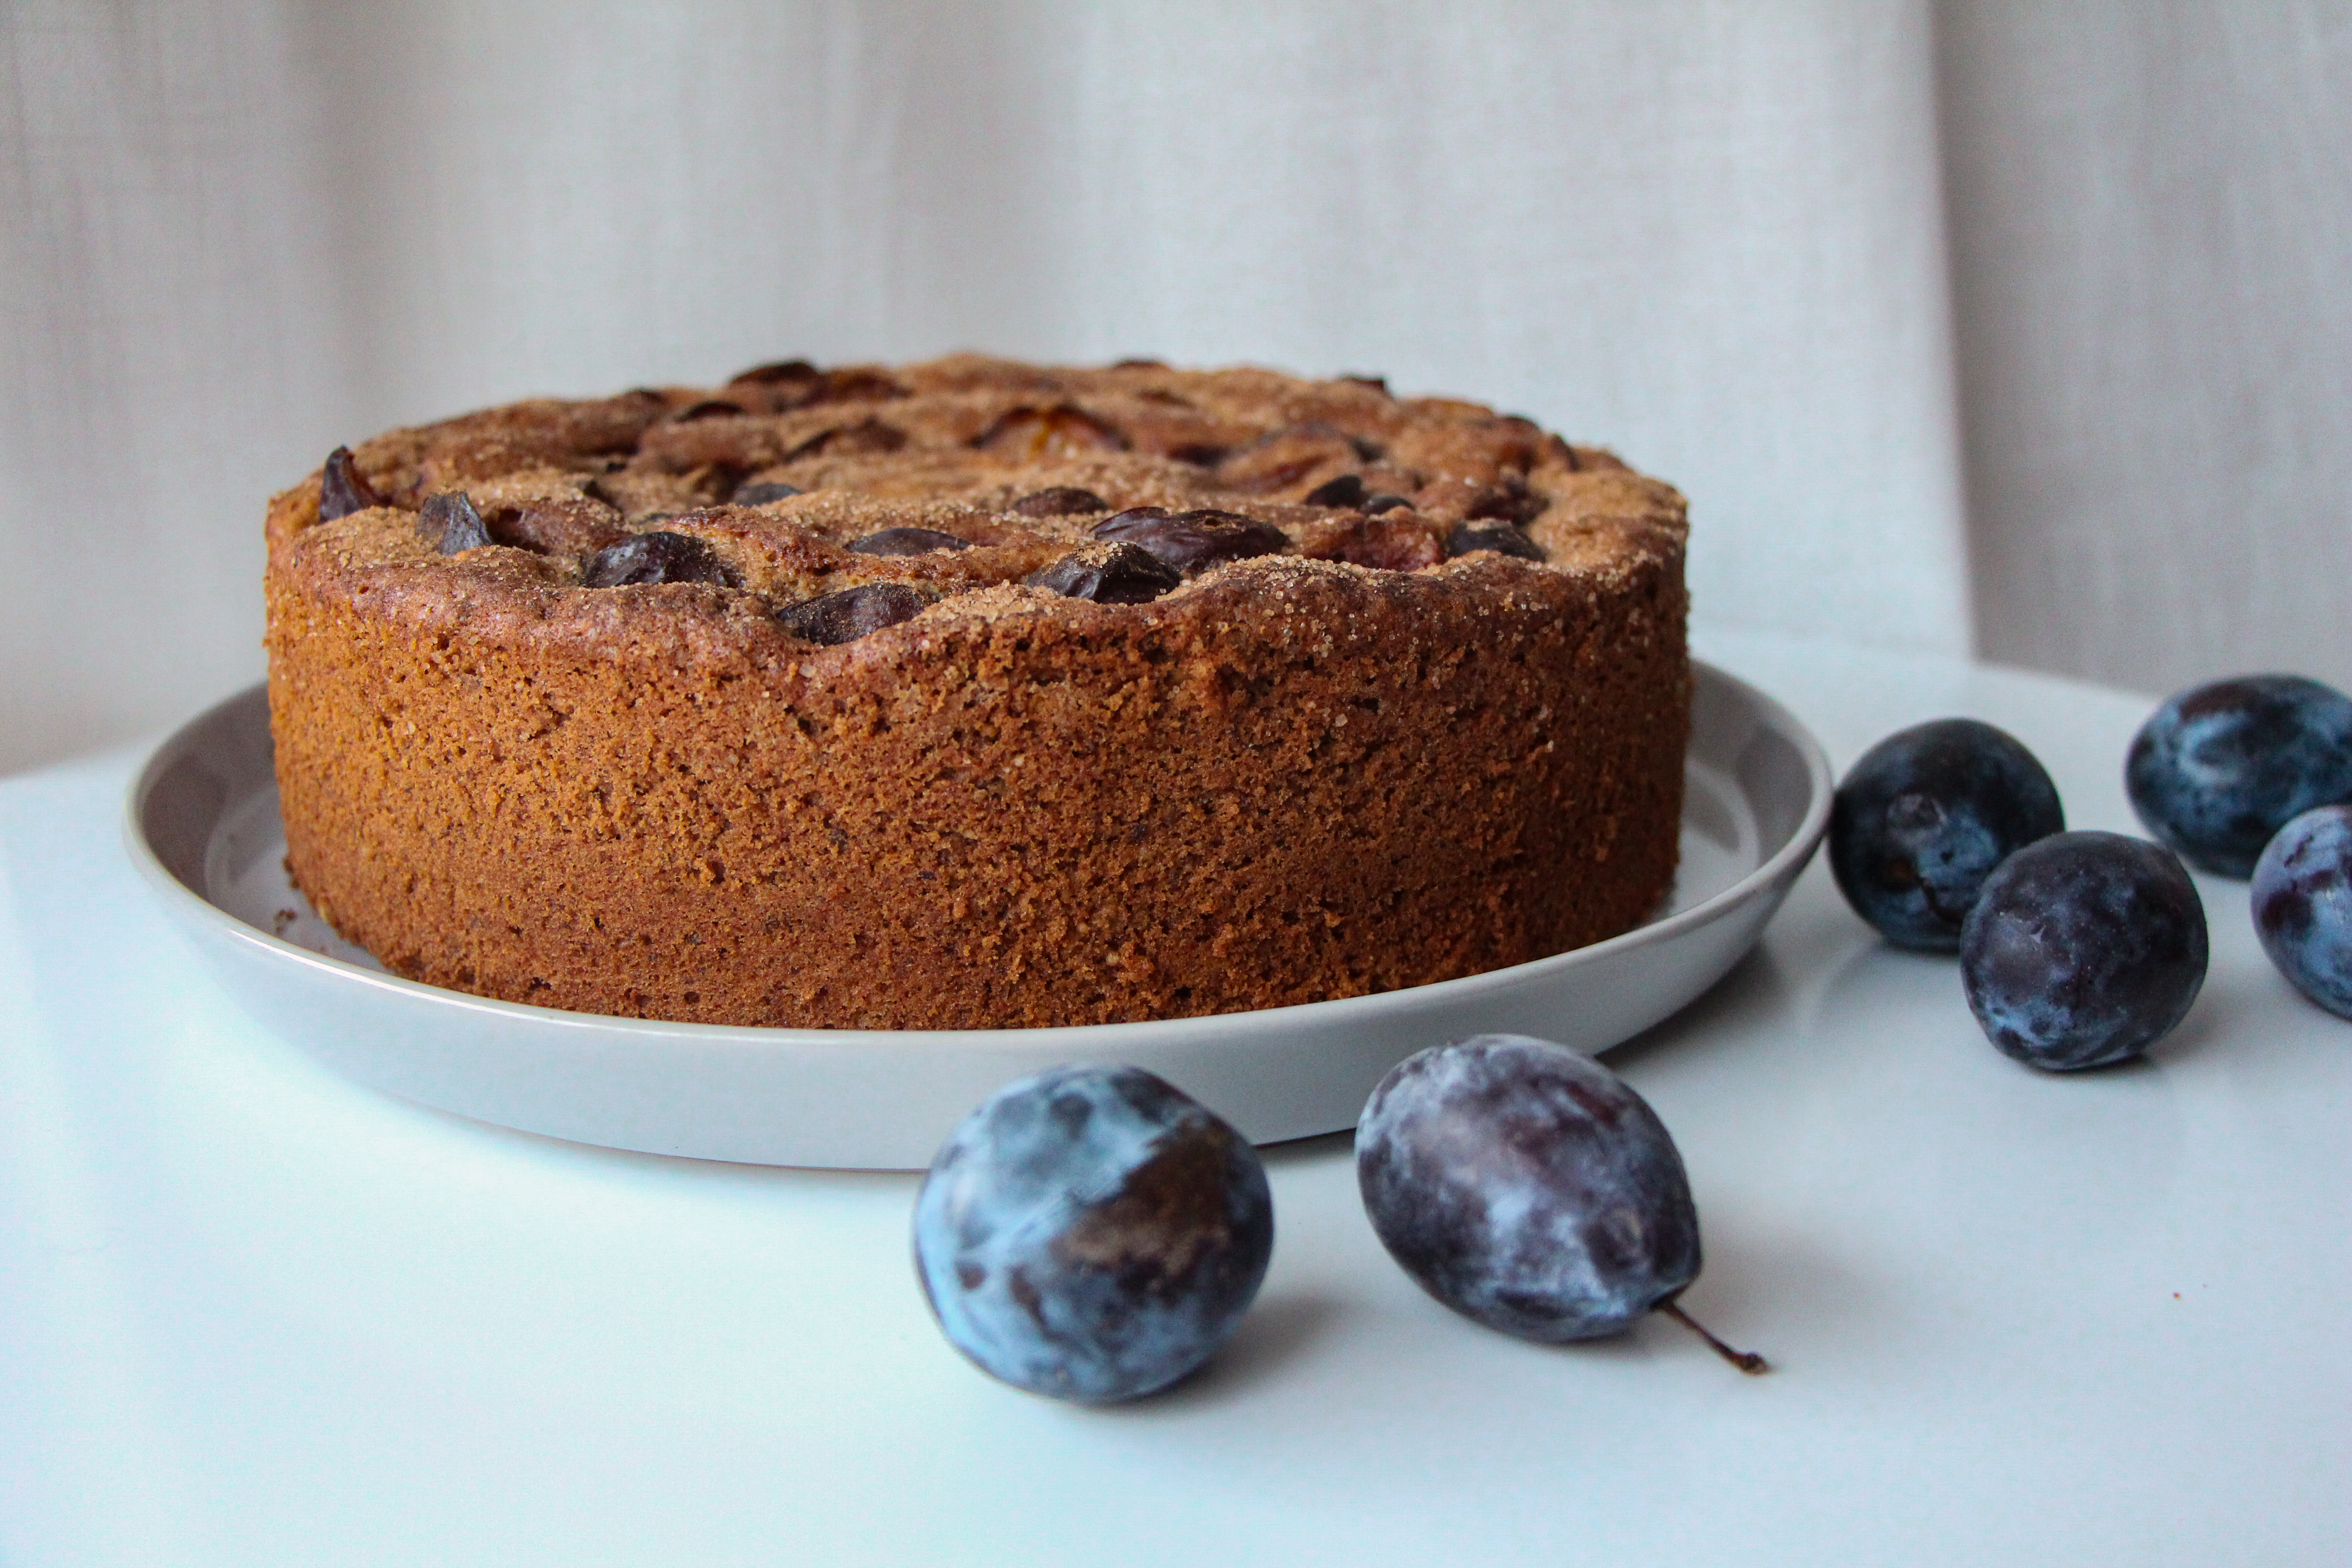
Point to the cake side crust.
(1413, 780)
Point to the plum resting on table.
(2216, 771)
(1922, 819)
(2302, 899)
(2083, 949)
(1093, 1233)
(1529, 1188)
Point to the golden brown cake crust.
(1351, 765)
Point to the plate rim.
(194, 908)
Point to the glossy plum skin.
(2218, 770)
(1922, 819)
(1194, 541)
(849, 614)
(656, 557)
(2084, 950)
(1529, 1188)
(1111, 574)
(1092, 1234)
(2302, 901)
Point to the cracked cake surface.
(976, 694)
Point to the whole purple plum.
(1528, 1187)
(2216, 771)
(1923, 817)
(1092, 1234)
(2302, 899)
(2084, 950)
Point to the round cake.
(976, 695)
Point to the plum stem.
(1746, 1361)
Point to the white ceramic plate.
(204, 828)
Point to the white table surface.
(250, 1315)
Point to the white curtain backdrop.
(1836, 269)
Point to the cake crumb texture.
(1430, 720)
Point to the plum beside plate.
(1528, 1187)
(1092, 1234)
(1925, 816)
